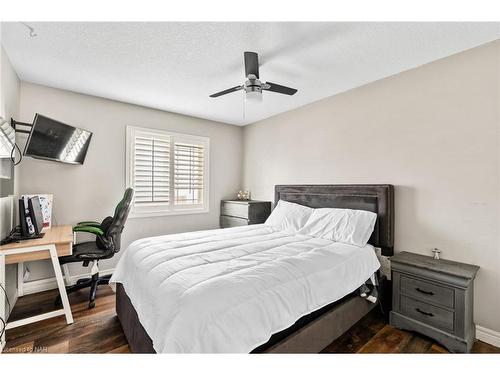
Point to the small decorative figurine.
(243, 195)
(436, 253)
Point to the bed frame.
(313, 332)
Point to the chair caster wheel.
(91, 305)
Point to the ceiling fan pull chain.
(244, 107)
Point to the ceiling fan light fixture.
(253, 96)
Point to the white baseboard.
(30, 287)
(42, 285)
(488, 336)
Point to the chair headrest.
(123, 207)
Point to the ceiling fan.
(253, 86)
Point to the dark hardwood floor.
(98, 331)
(94, 331)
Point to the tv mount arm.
(14, 124)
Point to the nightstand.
(435, 298)
(235, 213)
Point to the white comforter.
(229, 290)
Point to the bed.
(266, 290)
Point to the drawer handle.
(424, 313)
(424, 291)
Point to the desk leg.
(3, 314)
(20, 279)
(66, 274)
(60, 284)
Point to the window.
(168, 171)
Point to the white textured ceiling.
(176, 66)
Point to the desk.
(57, 241)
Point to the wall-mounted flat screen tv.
(52, 140)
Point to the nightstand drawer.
(426, 291)
(431, 315)
(229, 221)
(234, 209)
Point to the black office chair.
(107, 243)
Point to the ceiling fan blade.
(251, 64)
(274, 87)
(228, 91)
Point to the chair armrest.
(89, 223)
(89, 229)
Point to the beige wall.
(9, 107)
(92, 190)
(433, 132)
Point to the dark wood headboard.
(374, 198)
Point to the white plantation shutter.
(151, 168)
(189, 162)
(168, 171)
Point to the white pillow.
(289, 216)
(352, 227)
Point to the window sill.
(187, 211)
